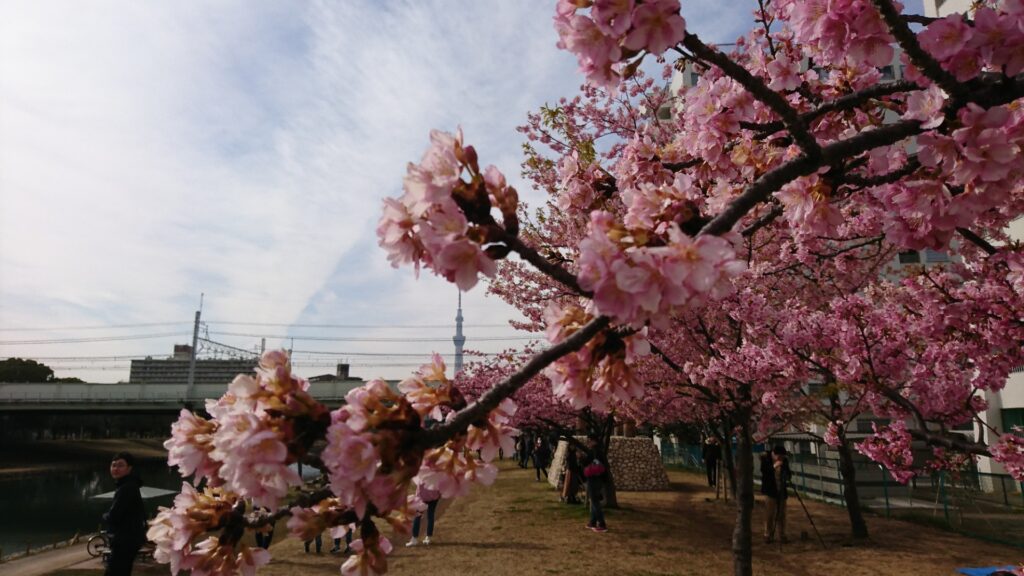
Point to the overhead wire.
(93, 339)
(368, 339)
(111, 326)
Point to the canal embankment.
(48, 490)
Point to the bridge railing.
(47, 393)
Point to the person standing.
(525, 450)
(541, 456)
(595, 472)
(775, 479)
(712, 451)
(430, 497)
(126, 518)
(573, 477)
(265, 535)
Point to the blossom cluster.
(182, 535)
(635, 283)
(890, 447)
(246, 446)
(601, 371)
(838, 31)
(615, 30)
(1009, 450)
(993, 40)
(443, 221)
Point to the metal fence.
(981, 505)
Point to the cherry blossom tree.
(788, 147)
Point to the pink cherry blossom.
(657, 26)
(784, 73)
(891, 448)
(613, 17)
(1009, 451)
(926, 106)
(190, 445)
(254, 458)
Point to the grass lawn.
(517, 526)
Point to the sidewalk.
(53, 560)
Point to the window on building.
(665, 112)
(967, 426)
(935, 256)
(888, 74)
(694, 77)
(864, 424)
(1012, 417)
(910, 257)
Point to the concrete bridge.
(127, 397)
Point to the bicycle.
(98, 545)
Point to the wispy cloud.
(153, 151)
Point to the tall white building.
(1006, 407)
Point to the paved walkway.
(50, 561)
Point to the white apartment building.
(1006, 407)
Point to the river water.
(40, 509)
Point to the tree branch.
(776, 178)
(489, 400)
(760, 90)
(544, 265)
(918, 57)
(978, 241)
(847, 102)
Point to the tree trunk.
(729, 459)
(742, 545)
(858, 526)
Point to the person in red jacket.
(595, 471)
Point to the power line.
(397, 326)
(364, 339)
(56, 328)
(92, 339)
(299, 364)
(85, 358)
(412, 354)
(158, 356)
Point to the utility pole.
(192, 358)
(459, 339)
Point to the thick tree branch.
(763, 221)
(775, 179)
(918, 57)
(896, 175)
(544, 265)
(921, 431)
(978, 241)
(847, 102)
(796, 126)
(489, 400)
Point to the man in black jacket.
(126, 519)
(710, 454)
(775, 477)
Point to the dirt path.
(518, 527)
(50, 561)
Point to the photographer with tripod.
(775, 479)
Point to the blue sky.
(153, 151)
